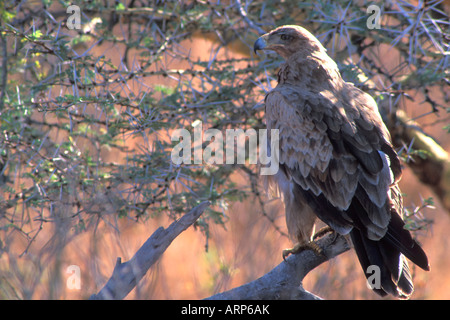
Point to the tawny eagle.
(336, 160)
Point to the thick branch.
(126, 275)
(285, 280)
(434, 168)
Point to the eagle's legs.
(312, 245)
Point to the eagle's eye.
(286, 37)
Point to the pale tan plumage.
(336, 159)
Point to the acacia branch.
(433, 167)
(285, 280)
(126, 275)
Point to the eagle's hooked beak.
(261, 43)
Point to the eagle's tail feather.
(383, 260)
(388, 256)
(401, 238)
(386, 269)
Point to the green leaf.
(120, 7)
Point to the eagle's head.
(289, 40)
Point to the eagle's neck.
(314, 70)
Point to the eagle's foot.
(323, 231)
(299, 247)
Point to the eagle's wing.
(333, 151)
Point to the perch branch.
(285, 280)
(126, 275)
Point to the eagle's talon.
(286, 253)
(299, 247)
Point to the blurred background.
(90, 95)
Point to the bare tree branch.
(126, 275)
(4, 72)
(433, 167)
(285, 280)
(244, 15)
(282, 282)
